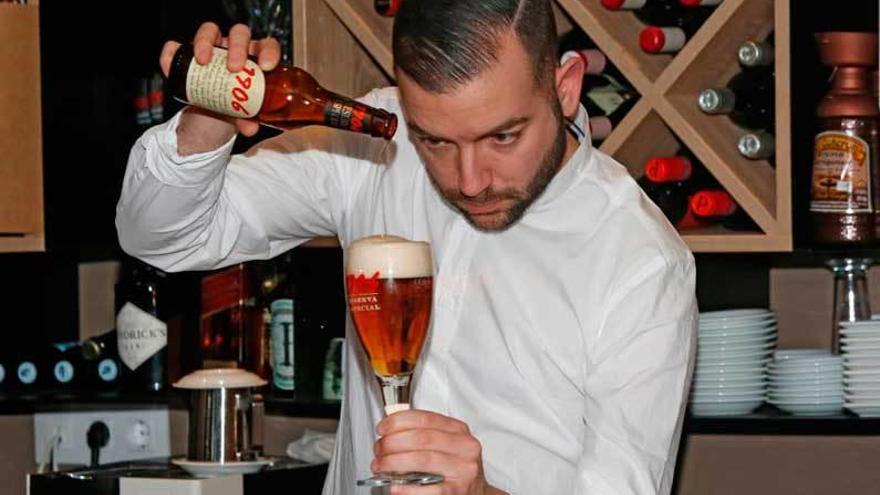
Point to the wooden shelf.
(769, 420)
(665, 118)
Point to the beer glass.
(390, 287)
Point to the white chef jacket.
(564, 342)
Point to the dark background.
(92, 56)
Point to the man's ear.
(569, 80)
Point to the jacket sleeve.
(638, 378)
(213, 209)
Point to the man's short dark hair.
(444, 44)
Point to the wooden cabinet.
(21, 144)
(347, 46)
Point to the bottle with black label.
(282, 327)
(141, 333)
(102, 369)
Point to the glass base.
(387, 479)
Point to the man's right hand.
(201, 130)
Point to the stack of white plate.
(806, 382)
(734, 347)
(860, 348)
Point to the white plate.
(731, 364)
(862, 373)
(725, 409)
(860, 324)
(862, 357)
(805, 398)
(707, 391)
(210, 469)
(848, 348)
(873, 367)
(706, 357)
(812, 409)
(735, 340)
(865, 411)
(861, 332)
(859, 340)
(736, 324)
(734, 372)
(703, 397)
(744, 332)
(735, 313)
(785, 359)
(863, 396)
(787, 354)
(730, 382)
(805, 390)
(736, 350)
(861, 353)
(862, 403)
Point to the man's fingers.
(454, 444)
(268, 53)
(168, 51)
(206, 37)
(407, 420)
(239, 41)
(247, 127)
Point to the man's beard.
(522, 200)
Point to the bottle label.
(140, 335)
(213, 87)
(282, 344)
(841, 174)
(347, 114)
(27, 372)
(64, 371)
(108, 370)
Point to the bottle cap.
(698, 3)
(668, 169)
(713, 203)
(661, 40)
(716, 100)
(757, 145)
(755, 54)
(387, 8)
(594, 60)
(623, 4)
(600, 128)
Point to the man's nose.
(473, 179)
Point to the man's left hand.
(432, 443)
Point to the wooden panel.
(720, 240)
(329, 51)
(21, 163)
(647, 129)
(772, 465)
(373, 30)
(22, 243)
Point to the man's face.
(492, 145)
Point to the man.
(562, 334)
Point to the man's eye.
(505, 137)
(432, 141)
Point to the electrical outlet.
(133, 435)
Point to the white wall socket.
(140, 434)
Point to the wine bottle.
(757, 145)
(601, 126)
(753, 54)
(286, 97)
(719, 205)
(748, 99)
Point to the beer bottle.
(286, 97)
(29, 371)
(141, 334)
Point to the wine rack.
(348, 48)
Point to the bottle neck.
(344, 113)
(668, 169)
(713, 203)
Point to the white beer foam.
(391, 256)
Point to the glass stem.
(395, 392)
